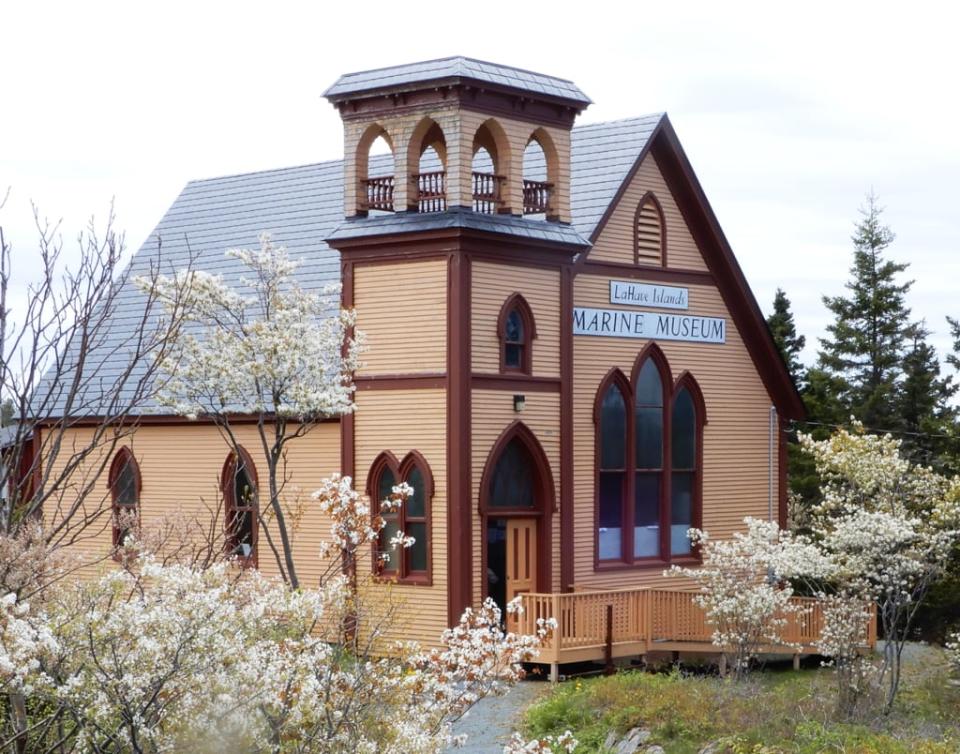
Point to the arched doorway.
(517, 500)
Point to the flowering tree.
(565, 743)
(888, 526)
(267, 349)
(953, 651)
(743, 589)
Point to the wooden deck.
(599, 625)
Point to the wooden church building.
(564, 357)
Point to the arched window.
(686, 433)
(491, 156)
(649, 232)
(375, 171)
(612, 468)
(511, 484)
(406, 564)
(124, 483)
(428, 152)
(238, 482)
(516, 329)
(649, 438)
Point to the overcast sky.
(789, 113)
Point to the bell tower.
(458, 227)
(463, 134)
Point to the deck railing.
(628, 622)
(431, 191)
(536, 197)
(487, 192)
(379, 193)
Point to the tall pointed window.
(649, 438)
(239, 484)
(406, 564)
(124, 483)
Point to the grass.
(773, 712)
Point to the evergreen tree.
(953, 359)
(784, 332)
(866, 344)
(923, 405)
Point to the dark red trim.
(348, 426)
(545, 502)
(567, 538)
(459, 487)
(651, 198)
(515, 301)
(400, 381)
(516, 382)
(145, 420)
(227, 481)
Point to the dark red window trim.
(627, 389)
(517, 303)
(401, 471)
(123, 457)
(230, 508)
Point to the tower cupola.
(463, 135)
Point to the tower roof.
(455, 70)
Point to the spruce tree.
(784, 332)
(923, 406)
(865, 347)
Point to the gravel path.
(491, 722)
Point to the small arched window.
(650, 232)
(124, 482)
(238, 482)
(516, 329)
(406, 564)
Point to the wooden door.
(521, 556)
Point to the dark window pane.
(243, 533)
(125, 486)
(646, 515)
(649, 428)
(385, 548)
(613, 429)
(649, 386)
(684, 431)
(610, 524)
(512, 482)
(417, 553)
(514, 328)
(416, 506)
(681, 512)
(385, 485)
(513, 355)
(244, 493)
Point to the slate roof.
(301, 206)
(454, 70)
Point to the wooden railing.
(592, 625)
(431, 191)
(487, 192)
(536, 197)
(379, 193)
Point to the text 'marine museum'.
(564, 358)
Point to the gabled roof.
(457, 69)
(301, 206)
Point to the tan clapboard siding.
(492, 413)
(401, 421)
(492, 284)
(736, 438)
(401, 308)
(180, 470)
(616, 240)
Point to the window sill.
(413, 580)
(644, 564)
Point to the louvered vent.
(649, 233)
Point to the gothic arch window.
(516, 330)
(238, 483)
(540, 166)
(125, 483)
(412, 564)
(650, 233)
(374, 161)
(649, 438)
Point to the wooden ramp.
(605, 625)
